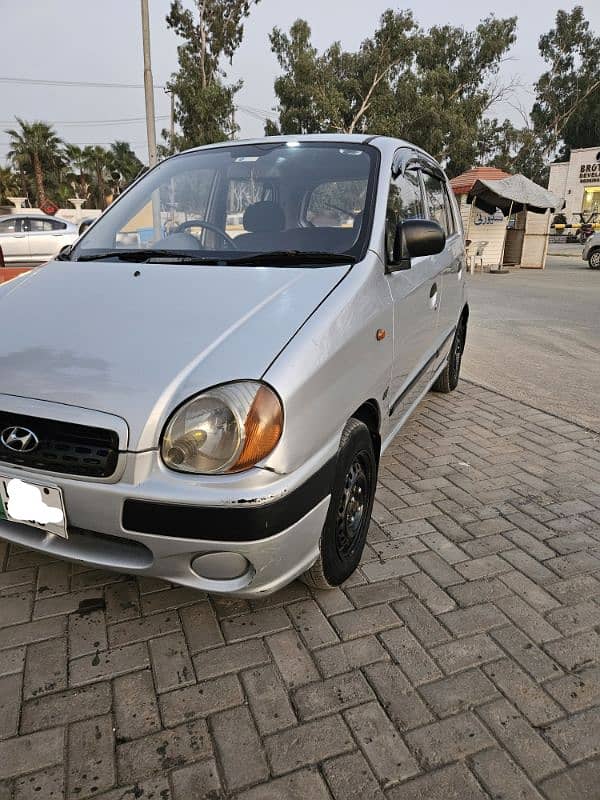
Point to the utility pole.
(148, 86)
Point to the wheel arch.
(369, 413)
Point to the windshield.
(227, 203)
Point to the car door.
(41, 240)
(14, 240)
(415, 293)
(451, 260)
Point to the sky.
(81, 40)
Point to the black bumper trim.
(242, 522)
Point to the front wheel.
(594, 259)
(447, 380)
(345, 530)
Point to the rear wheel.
(345, 530)
(447, 380)
(594, 259)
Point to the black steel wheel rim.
(457, 350)
(352, 515)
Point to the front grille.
(64, 447)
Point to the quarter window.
(405, 201)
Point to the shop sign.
(590, 173)
(481, 218)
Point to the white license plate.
(33, 504)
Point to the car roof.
(380, 142)
(33, 215)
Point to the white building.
(578, 181)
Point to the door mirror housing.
(414, 238)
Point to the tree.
(97, 162)
(430, 87)
(9, 184)
(124, 162)
(566, 111)
(35, 150)
(204, 104)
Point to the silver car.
(203, 387)
(591, 251)
(31, 238)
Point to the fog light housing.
(221, 566)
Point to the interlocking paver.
(91, 765)
(387, 754)
(460, 663)
(200, 700)
(525, 693)
(240, 748)
(349, 655)
(331, 695)
(449, 740)
(459, 692)
(135, 706)
(502, 777)
(350, 778)
(308, 744)
(522, 741)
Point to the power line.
(86, 84)
(123, 121)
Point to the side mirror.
(84, 226)
(414, 238)
(64, 251)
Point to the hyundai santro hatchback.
(202, 386)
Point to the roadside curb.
(594, 431)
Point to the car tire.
(594, 259)
(347, 523)
(447, 380)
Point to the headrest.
(264, 217)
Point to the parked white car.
(31, 238)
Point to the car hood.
(137, 340)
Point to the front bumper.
(265, 528)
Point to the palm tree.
(9, 183)
(34, 149)
(79, 178)
(125, 162)
(97, 161)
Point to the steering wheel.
(202, 223)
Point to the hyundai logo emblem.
(21, 440)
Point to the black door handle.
(433, 290)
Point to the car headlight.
(226, 429)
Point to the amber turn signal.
(263, 428)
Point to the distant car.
(31, 238)
(591, 251)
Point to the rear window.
(336, 204)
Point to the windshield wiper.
(272, 258)
(290, 257)
(141, 255)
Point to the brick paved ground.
(462, 663)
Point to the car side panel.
(15, 245)
(333, 365)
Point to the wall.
(480, 226)
(565, 179)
